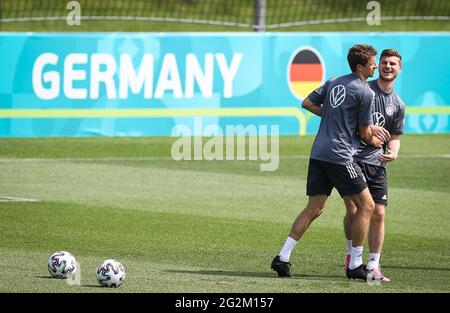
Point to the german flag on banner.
(306, 73)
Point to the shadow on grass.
(90, 286)
(257, 274)
(82, 285)
(47, 277)
(417, 268)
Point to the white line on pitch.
(85, 159)
(6, 160)
(15, 199)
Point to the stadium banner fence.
(147, 84)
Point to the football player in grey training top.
(345, 104)
(389, 112)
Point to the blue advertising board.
(144, 84)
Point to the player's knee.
(378, 216)
(319, 212)
(351, 211)
(367, 207)
(314, 211)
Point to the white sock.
(349, 246)
(356, 257)
(289, 245)
(374, 261)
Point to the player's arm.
(313, 102)
(393, 146)
(311, 107)
(392, 149)
(366, 135)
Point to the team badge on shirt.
(390, 109)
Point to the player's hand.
(377, 142)
(388, 156)
(380, 132)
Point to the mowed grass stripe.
(156, 188)
(96, 147)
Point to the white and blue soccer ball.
(110, 273)
(62, 264)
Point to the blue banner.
(133, 84)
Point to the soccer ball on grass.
(110, 273)
(62, 264)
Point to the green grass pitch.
(207, 226)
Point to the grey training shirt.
(346, 104)
(389, 112)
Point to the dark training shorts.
(323, 176)
(376, 181)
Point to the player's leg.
(348, 218)
(376, 240)
(318, 189)
(376, 234)
(314, 208)
(351, 184)
(377, 182)
(360, 224)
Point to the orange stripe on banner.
(306, 72)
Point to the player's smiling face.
(389, 68)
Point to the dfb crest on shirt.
(378, 119)
(390, 109)
(337, 96)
